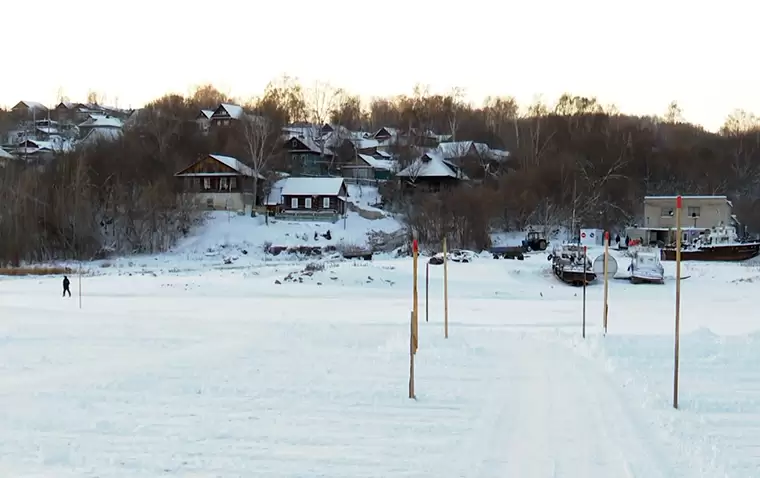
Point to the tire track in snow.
(559, 415)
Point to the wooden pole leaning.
(678, 301)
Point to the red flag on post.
(414, 245)
(606, 235)
(678, 202)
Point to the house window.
(325, 203)
(210, 203)
(206, 183)
(307, 203)
(667, 212)
(223, 184)
(293, 203)
(233, 183)
(694, 211)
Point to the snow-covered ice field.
(221, 372)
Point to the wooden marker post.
(412, 341)
(606, 282)
(415, 302)
(584, 290)
(678, 299)
(79, 286)
(445, 291)
(427, 292)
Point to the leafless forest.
(120, 196)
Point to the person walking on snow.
(66, 284)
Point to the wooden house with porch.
(220, 182)
(432, 173)
(225, 114)
(307, 157)
(369, 168)
(310, 199)
(477, 160)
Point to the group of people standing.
(626, 241)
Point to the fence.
(327, 216)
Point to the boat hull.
(721, 253)
(647, 279)
(574, 277)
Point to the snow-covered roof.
(431, 165)
(458, 149)
(104, 134)
(5, 154)
(384, 164)
(312, 186)
(310, 144)
(33, 105)
(698, 198)
(362, 143)
(391, 131)
(234, 111)
(338, 135)
(673, 198)
(301, 129)
(55, 143)
(235, 164)
(206, 113)
(102, 121)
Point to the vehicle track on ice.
(557, 414)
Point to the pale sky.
(639, 55)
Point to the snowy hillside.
(227, 240)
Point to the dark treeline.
(573, 157)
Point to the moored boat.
(720, 244)
(571, 266)
(646, 268)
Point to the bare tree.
(61, 95)
(674, 113)
(348, 112)
(261, 142)
(207, 96)
(740, 122)
(321, 100)
(96, 98)
(455, 108)
(288, 94)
